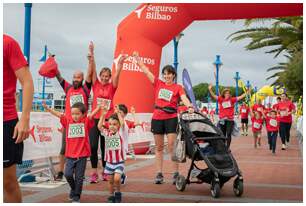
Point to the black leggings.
(227, 129)
(94, 136)
(284, 131)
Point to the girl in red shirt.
(164, 120)
(272, 128)
(226, 114)
(77, 150)
(257, 122)
(104, 89)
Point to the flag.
(188, 87)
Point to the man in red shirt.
(75, 92)
(14, 131)
(285, 109)
(244, 114)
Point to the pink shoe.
(94, 178)
(104, 176)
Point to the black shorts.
(12, 153)
(245, 121)
(164, 126)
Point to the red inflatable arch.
(151, 26)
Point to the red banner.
(151, 26)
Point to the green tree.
(201, 91)
(284, 35)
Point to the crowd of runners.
(107, 124)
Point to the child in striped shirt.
(114, 132)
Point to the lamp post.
(43, 59)
(27, 37)
(237, 77)
(248, 85)
(218, 64)
(176, 40)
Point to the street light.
(176, 40)
(218, 65)
(27, 38)
(248, 85)
(237, 77)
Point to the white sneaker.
(287, 144)
(283, 146)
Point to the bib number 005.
(113, 143)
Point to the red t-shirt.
(282, 108)
(226, 107)
(256, 124)
(75, 95)
(267, 110)
(272, 124)
(204, 111)
(130, 124)
(275, 106)
(259, 108)
(77, 136)
(182, 109)
(244, 112)
(103, 93)
(166, 96)
(13, 60)
(212, 112)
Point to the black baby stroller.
(204, 141)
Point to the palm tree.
(284, 35)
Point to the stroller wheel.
(215, 190)
(238, 187)
(180, 183)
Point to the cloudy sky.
(68, 28)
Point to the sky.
(68, 28)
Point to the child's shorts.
(111, 168)
(256, 134)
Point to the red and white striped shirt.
(114, 146)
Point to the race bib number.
(256, 125)
(106, 102)
(259, 109)
(273, 122)
(283, 113)
(165, 94)
(226, 104)
(76, 98)
(243, 111)
(113, 143)
(76, 130)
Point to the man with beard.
(75, 92)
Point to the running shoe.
(104, 176)
(175, 175)
(123, 179)
(159, 179)
(94, 178)
(59, 176)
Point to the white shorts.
(111, 168)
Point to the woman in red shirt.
(285, 109)
(164, 120)
(244, 114)
(226, 114)
(104, 89)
